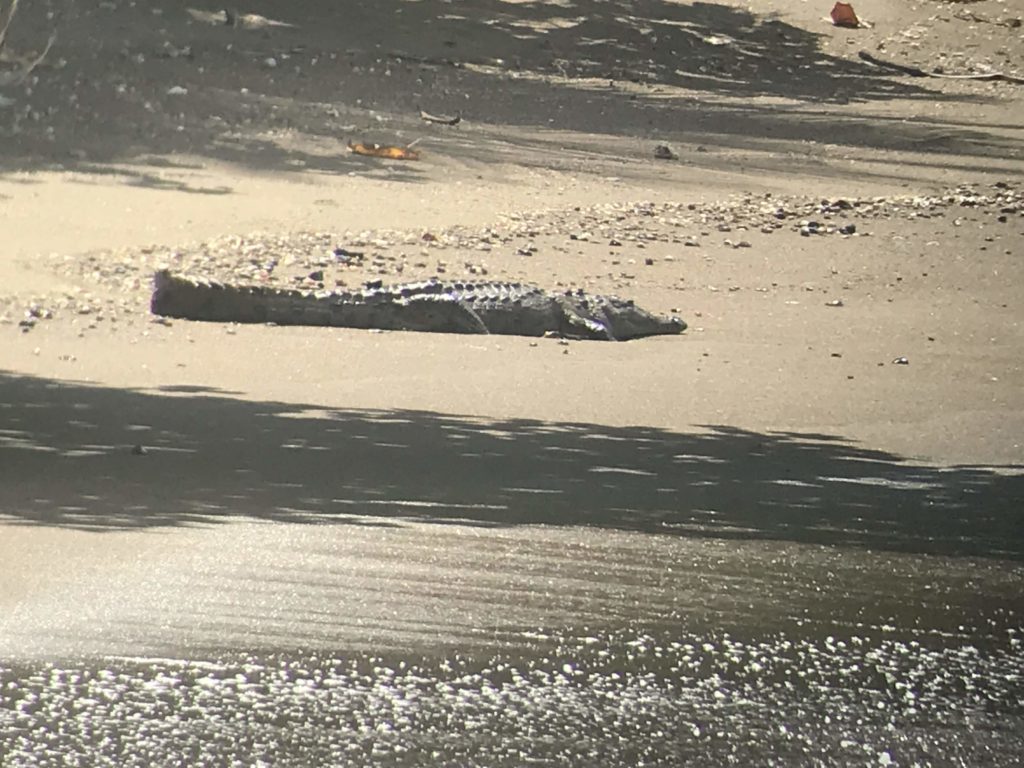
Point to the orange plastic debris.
(381, 150)
(843, 16)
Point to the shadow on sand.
(138, 83)
(67, 459)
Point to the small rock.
(834, 303)
(901, 361)
(346, 256)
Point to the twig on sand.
(918, 72)
(7, 22)
(232, 18)
(440, 119)
(18, 77)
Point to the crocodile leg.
(577, 326)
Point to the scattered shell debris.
(347, 258)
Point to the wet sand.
(832, 451)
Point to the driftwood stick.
(11, 10)
(16, 78)
(440, 119)
(918, 72)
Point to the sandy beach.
(843, 240)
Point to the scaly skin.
(432, 305)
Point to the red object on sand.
(843, 16)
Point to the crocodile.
(431, 305)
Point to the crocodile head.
(625, 320)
